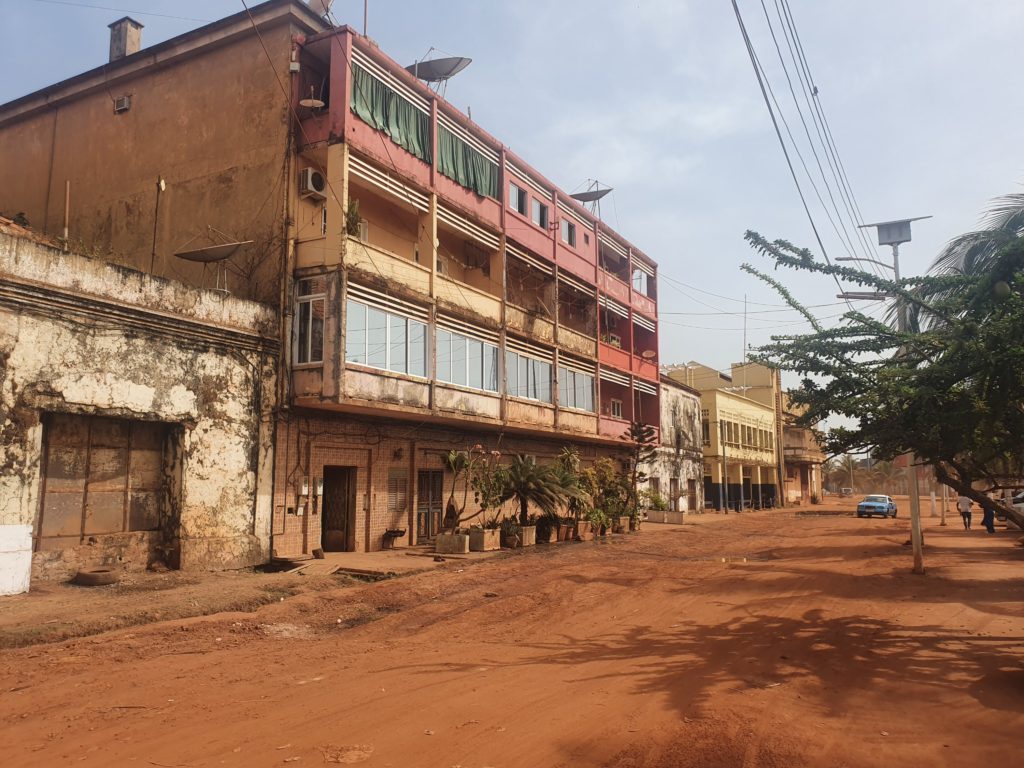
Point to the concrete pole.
(916, 537)
(933, 504)
(943, 504)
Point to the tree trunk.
(524, 511)
(964, 488)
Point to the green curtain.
(461, 163)
(383, 108)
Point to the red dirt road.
(662, 648)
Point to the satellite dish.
(211, 253)
(312, 102)
(648, 354)
(591, 195)
(438, 70)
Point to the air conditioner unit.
(122, 104)
(312, 183)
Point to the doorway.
(338, 520)
(429, 503)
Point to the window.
(616, 408)
(705, 431)
(309, 321)
(575, 389)
(385, 109)
(640, 281)
(398, 490)
(516, 198)
(466, 361)
(385, 340)
(569, 232)
(527, 377)
(539, 214)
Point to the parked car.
(846, 491)
(876, 505)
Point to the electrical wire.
(123, 10)
(761, 83)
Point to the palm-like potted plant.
(528, 482)
(450, 540)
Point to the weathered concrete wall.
(679, 456)
(212, 123)
(81, 336)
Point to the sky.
(658, 99)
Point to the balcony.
(530, 324)
(576, 342)
(577, 422)
(385, 266)
(462, 298)
(645, 304)
(614, 357)
(613, 286)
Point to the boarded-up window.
(100, 476)
(398, 490)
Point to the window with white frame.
(466, 361)
(309, 321)
(527, 377)
(516, 198)
(569, 232)
(385, 340)
(575, 389)
(616, 408)
(539, 214)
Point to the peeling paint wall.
(81, 336)
(679, 456)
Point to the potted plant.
(450, 540)
(511, 533)
(544, 528)
(485, 538)
(526, 482)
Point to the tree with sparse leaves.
(643, 445)
(950, 390)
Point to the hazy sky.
(658, 99)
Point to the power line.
(123, 10)
(824, 122)
(845, 233)
(778, 133)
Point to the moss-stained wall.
(81, 336)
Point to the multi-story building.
(739, 432)
(433, 290)
(677, 472)
(802, 457)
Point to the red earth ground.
(760, 639)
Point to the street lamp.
(895, 233)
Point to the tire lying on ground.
(96, 577)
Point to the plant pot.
(566, 531)
(620, 524)
(585, 530)
(452, 544)
(634, 524)
(528, 535)
(511, 540)
(543, 533)
(484, 539)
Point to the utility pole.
(893, 233)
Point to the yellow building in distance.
(740, 433)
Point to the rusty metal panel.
(101, 476)
(109, 433)
(66, 468)
(144, 511)
(62, 514)
(104, 512)
(108, 469)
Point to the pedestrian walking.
(964, 505)
(988, 519)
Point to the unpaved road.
(662, 648)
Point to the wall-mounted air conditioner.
(312, 183)
(122, 104)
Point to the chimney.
(125, 38)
